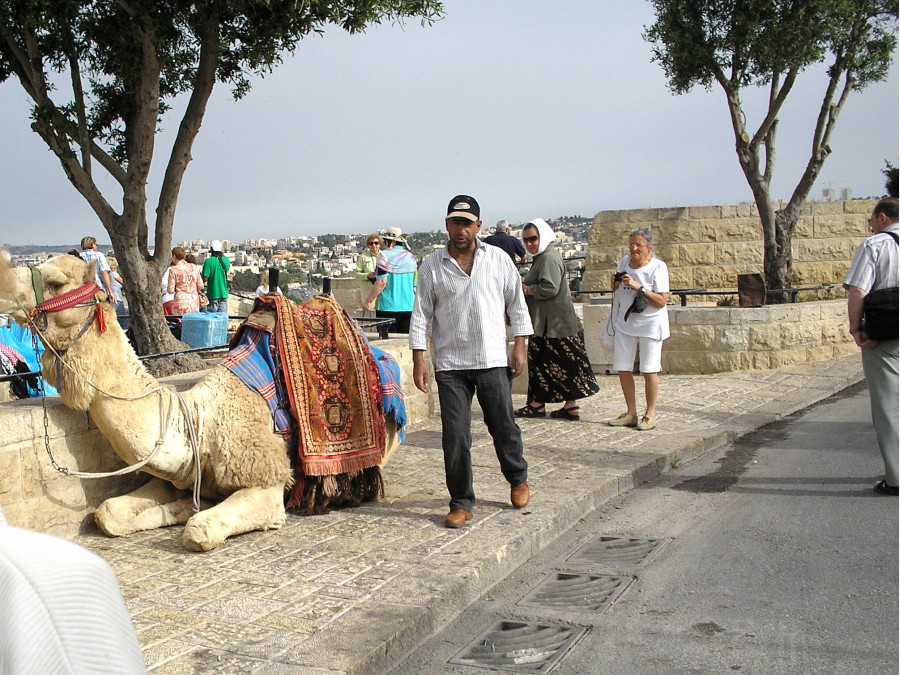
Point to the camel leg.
(392, 439)
(244, 511)
(140, 510)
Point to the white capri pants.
(625, 348)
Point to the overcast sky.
(537, 109)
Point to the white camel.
(244, 466)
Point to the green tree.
(245, 281)
(102, 75)
(890, 179)
(737, 44)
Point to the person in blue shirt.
(503, 239)
(395, 281)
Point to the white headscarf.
(545, 232)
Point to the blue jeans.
(493, 388)
(220, 305)
(122, 315)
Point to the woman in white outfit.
(639, 275)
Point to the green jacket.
(552, 312)
(215, 277)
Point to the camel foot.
(201, 535)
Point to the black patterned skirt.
(559, 370)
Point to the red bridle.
(83, 296)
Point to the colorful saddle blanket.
(326, 392)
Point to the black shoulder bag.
(881, 314)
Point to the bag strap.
(893, 235)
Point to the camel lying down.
(244, 464)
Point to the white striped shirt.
(874, 265)
(468, 313)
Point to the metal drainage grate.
(577, 592)
(611, 550)
(519, 647)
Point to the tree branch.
(140, 130)
(204, 82)
(777, 96)
(83, 137)
(30, 80)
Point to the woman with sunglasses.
(365, 264)
(558, 365)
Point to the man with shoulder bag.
(872, 292)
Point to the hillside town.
(309, 259)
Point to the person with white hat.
(215, 276)
(395, 281)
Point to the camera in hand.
(618, 276)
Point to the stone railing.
(37, 497)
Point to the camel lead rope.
(78, 298)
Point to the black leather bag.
(638, 305)
(881, 313)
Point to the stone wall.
(708, 246)
(719, 339)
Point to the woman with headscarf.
(558, 365)
(640, 319)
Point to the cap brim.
(462, 214)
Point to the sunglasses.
(373, 243)
(531, 240)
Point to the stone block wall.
(720, 339)
(708, 246)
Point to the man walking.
(465, 292)
(875, 267)
(503, 239)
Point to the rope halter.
(83, 296)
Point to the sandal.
(881, 487)
(567, 414)
(530, 411)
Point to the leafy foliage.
(737, 44)
(890, 179)
(103, 74)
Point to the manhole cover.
(519, 647)
(609, 550)
(577, 592)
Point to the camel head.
(24, 288)
(56, 276)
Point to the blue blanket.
(19, 338)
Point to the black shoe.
(881, 487)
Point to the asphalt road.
(772, 555)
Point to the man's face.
(462, 233)
(877, 222)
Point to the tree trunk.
(149, 329)
(779, 264)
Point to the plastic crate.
(200, 329)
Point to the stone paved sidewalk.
(355, 590)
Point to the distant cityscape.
(330, 255)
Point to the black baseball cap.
(464, 206)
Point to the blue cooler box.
(199, 329)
